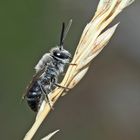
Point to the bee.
(48, 70)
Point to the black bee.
(48, 69)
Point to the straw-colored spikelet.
(90, 45)
(50, 135)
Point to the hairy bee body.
(55, 57)
(48, 69)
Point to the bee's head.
(59, 52)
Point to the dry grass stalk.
(50, 135)
(91, 43)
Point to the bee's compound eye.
(61, 54)
(58, 54)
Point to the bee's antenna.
(64, 33)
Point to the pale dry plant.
(50, 135)
(90, 45)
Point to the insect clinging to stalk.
(48, 69)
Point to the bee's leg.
(72, 64)
(58, 85)
(42, 98)
(47, 98)
(54, 82)
(46, 95)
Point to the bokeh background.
(106, 103)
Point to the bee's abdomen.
(33, 104)
(33, 100)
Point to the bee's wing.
(34, 79)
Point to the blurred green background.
(106, 103)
